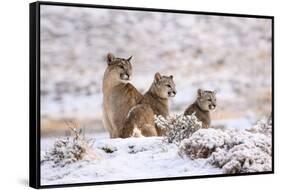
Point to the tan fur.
(205, 102)
(155, 102)
(119, 96)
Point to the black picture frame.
(34, 91)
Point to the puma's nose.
(124, 76)
(212, 106)
(172, 93)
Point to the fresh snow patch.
(201, 152)
(125, 159)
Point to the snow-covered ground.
(133, 158)
(205, 152)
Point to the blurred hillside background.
(228, 54)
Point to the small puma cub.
(119, 96)
(205, 102)
(140, 119)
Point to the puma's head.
(206, 99)
(164, 86)
(119, 68)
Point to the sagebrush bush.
(235, 151)
(178, 127)
(263, 126)
(203, 143)
(69, 150)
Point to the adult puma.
(119, 96)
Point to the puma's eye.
(169, 86)
(121, 66)
(209, 100)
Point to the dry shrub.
(235, 151)
(203, 143)
(69, 150)
(177, 127)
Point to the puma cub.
(140, 119)
(119, 96)
(205, 102)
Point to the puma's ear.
(129, 59)
(157, 77)
(110, 58)
(200, 92)
(171, 76)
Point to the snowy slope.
(133, 158)
(203, 152)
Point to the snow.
(236, 123)
(202, 152)
(131, 158)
